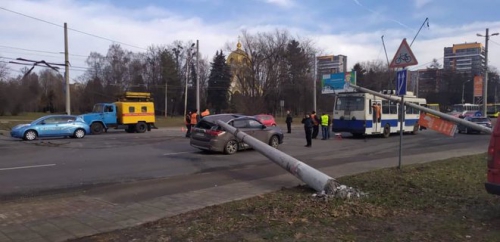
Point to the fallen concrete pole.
(313, 178)
(427, 110)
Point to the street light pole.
(198, 75)
(463, 89)
(188, 60)
(485, 82)
(314, 83)
(66, 70)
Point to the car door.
(47, 127)
(258, 130)
(242, 125)
(66, 125)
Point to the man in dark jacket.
(188, 124)
(308, 126)
(288, 121)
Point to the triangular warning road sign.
(404, 56)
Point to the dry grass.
(438, 201)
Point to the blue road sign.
(401, 82)
(478, 114)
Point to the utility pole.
(198, 76)
(188, 60)
(314, 85)
(186, 85)
(66, 69)
(485, 82)
(166, 94)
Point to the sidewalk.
(62, 218)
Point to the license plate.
(200, 134)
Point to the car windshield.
(480, 120)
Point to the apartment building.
(466, 58)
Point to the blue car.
(52, 126)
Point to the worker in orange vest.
(194, 118)
(205, 113)
(376, 112)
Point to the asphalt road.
(129, 167)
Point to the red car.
(493, 184)
(266, 119)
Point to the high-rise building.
(331, 64)
(425, 81)
(466, 58)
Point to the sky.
(32, 29)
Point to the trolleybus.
(356, 113)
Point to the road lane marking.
(166, 154)
(25, 167)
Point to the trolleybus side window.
(410, 110)
(389, 107)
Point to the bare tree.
(4, 71)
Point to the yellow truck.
(134, 111)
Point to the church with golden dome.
(239, 62)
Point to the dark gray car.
(484, 121)
(207, 135)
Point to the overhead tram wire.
(26, 64)
(493, 42)
(41, 51)
(36, 54)
(79, 31)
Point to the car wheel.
(141, 127)
(231, 147)
(79, 133)
(30, 135)
(387, 131)
(96, 128)
(274, 125)
(274, 142)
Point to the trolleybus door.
(376, 109)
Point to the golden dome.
(237, 56)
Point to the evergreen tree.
(219, 83)
(298, 71)
(360, 75)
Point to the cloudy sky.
(32, 29)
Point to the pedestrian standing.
(324, 126)
(376, 112)
(194, 118)
(315, 120)
(328, 128)
(288, 121)
(188, 124)
(308, 126)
